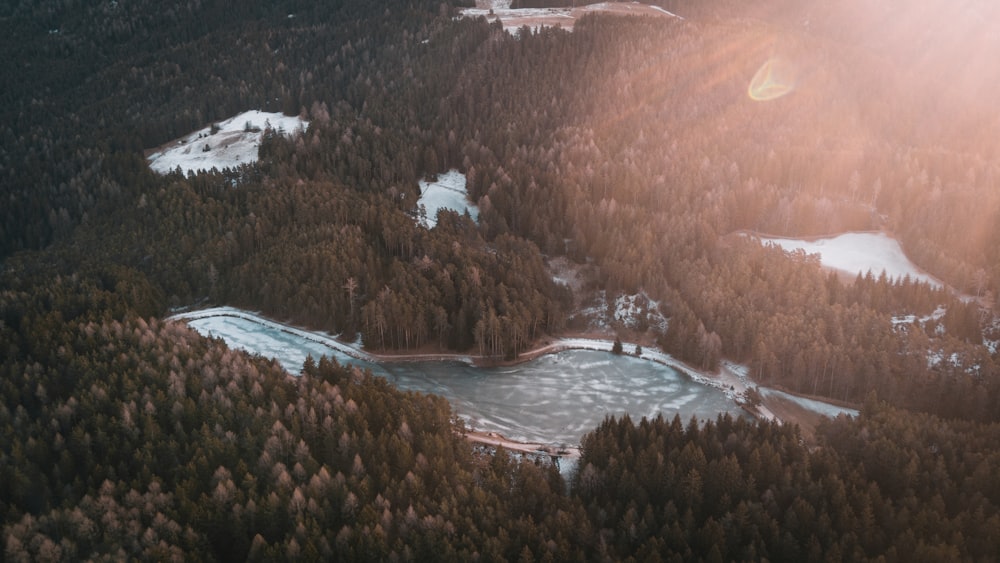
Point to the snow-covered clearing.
(536, 18)
(858, 253)
(235, 142)
(447, 192)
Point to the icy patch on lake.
(557, 398)
(858, 253)
(236, 142)
(447, 192)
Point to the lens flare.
(773, 79)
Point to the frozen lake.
(554, 399)
(557, 398)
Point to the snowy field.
(858, 252)
(234, 143)
(447, 192)
(536, 18)
(819, 407)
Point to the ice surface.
(231, 146)
(858, 252)
(553, 399)
(556, 398)
(448, 192)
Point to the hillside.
(630, 148)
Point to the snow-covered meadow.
(858, 253)
(447, 192)
(235, 142)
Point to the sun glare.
(774, 79)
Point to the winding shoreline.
(731, 379)
(727, 380)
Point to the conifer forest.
(649, 151)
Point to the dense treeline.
(650, 175)
(643, 164)
(733, 490)
(629, 142)
(318, 233)
(135, 438)
(77, 97)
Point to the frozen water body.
(553, 399)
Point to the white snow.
(447, 192)
(631, 309)
(858, 252)
(536, 18)
(231, 146)
(910, 319)
(665, 11)
(825, 409)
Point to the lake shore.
(731, 378)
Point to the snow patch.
(447, 192)
(858, 253)
(665, 11)
(911, 319)
(537, 18)
(235, 142)
(825, 409)
(635, 310)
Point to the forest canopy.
(630, 145)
